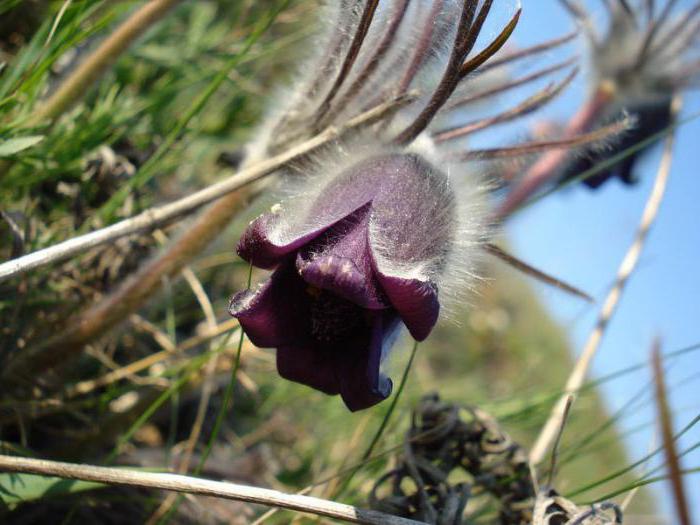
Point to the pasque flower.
(638, 64)
(366, 255)
(375, 232)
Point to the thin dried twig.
(528, 52)
(207, 390)
(371, 65)
(553, 146)
(421, 47)
(629, 263)
(161, 214)
(494, 47)
(156, 333)
(351, 57)
(557, 442)
(467, 31)
(511, 84)
(203, 487)
(85, 387)
(527, 106)
(210, 371)
(527, 269)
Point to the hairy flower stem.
(99, 319)
(546, 167)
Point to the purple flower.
(648, 119)
(362, 258)
(641, 61)
(375, 236)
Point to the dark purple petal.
(310, 366)
(277, 312)
(350, 366)
(272, 236)
(339, 261)
(256, 247)
(340, 276)
(362, 385)
(416, 302)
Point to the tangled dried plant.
(444, 443)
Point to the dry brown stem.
(203, 487)
(104, 56)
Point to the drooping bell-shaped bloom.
(364, 255)
(638, 64)
(648, 118)
(381, 226)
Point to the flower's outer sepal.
(350, 367)
(416, 302)
(257, 248)
(276, 312)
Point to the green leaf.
(19, 488)
(15, 145)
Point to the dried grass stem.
(202, 487)
(75, 86)
(629, 263)
(162, 214)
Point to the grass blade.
(669, 444)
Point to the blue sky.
(581, 236)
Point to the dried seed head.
(372, 55)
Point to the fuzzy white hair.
(462, 211)
(406, 47)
